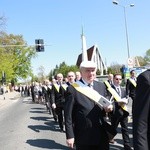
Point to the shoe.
(62, 130)
(55, 119)
(126, 147)
(112, 141)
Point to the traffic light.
(39, 45)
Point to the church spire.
(84, 48)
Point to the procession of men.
(75, 105)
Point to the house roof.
(89, 55)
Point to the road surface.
(28, 126)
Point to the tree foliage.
(63, 68)
(2, 21)
(147, 56)
(15, 56)
(114, 68)
(142, 61)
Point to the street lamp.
(124, 8)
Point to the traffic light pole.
(39, 45)
(16, 45)
(24, 45)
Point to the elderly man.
(83, 116)
(70, 77)
(58, 98)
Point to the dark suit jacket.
(82, 117)
(110, 82)
(141, 113)
(130, 89)
(118, 111)
(46, 93)
(58, 97)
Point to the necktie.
(90, 85)
(118, 91)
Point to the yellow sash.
(107, 84)
(87, 91)
(115, 95)
(64, 86)
(133, 82)
(56, 87)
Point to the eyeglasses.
(118, 79)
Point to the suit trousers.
(59, 112)
(124, 128)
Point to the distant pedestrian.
(78, 75)
(131, 85)
(58, 99)
(32, 91)
(46, 91)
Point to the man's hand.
(109, 108)
(70, 142)
(53, 105)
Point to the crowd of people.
(74, 103)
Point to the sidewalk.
(8, 97)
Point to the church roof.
(89, 55)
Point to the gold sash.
(64, 86)
(132, 81)
(56, 87)
(115, 95)
(87, 91)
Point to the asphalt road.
(28, 126)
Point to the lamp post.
(125, 19)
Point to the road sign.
(130, 62)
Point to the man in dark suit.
(58, 99)
(32, 91)
(131, 85)
(83, 117)
(46, 91)
(120, 115)
(141, 113)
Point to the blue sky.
(59, 23)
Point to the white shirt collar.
(87, 83)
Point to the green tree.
(62, 68)
(141, 60)
(15, 56)
(147, 56)
(114, 68)
(2, 21)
